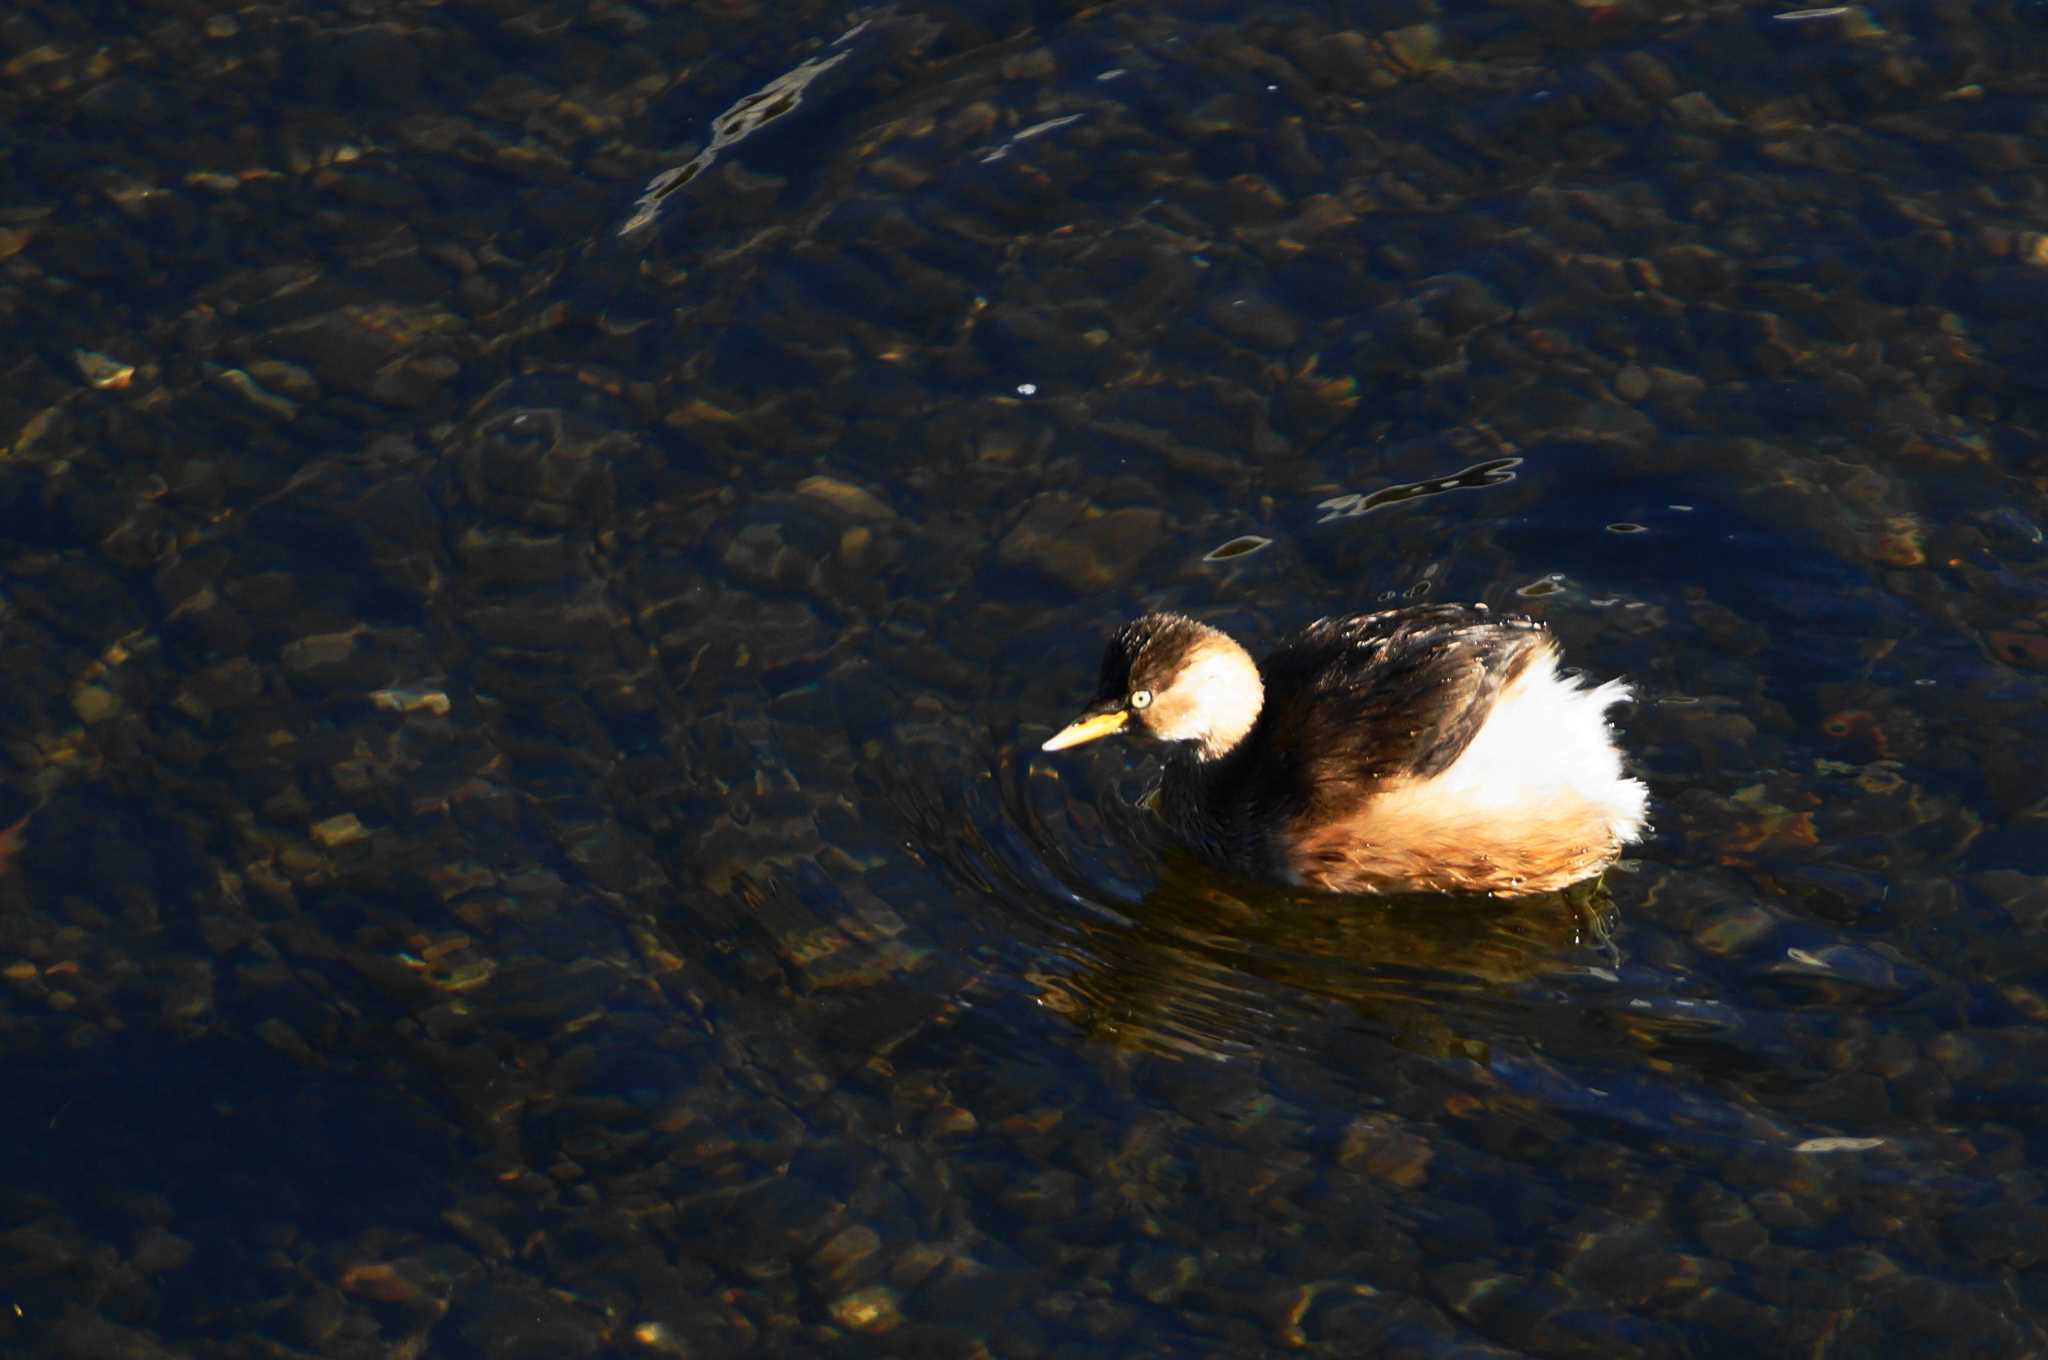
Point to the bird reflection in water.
(1206, 963)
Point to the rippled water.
(542, 545)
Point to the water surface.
(541, 545)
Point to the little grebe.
(1434, 748)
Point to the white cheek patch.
(1214, 700)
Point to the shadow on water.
(244, 1140)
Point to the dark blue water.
(541, 547)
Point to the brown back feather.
(1399, 694)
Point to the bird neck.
(1216, 806)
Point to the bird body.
(1432, 748)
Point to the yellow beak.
(1088, 729)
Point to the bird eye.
(1141, 698)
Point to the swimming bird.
(1434, 748)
